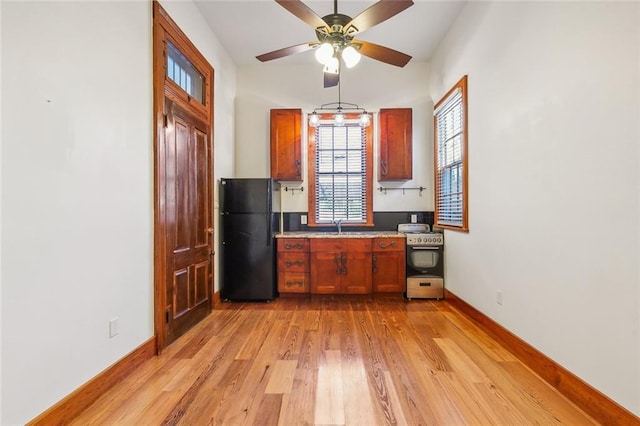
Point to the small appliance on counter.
(247, 253)
(425, 263)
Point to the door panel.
(187, 210)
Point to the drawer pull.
(297, 283)
(289, 263)
(391, 244)
(289, 246)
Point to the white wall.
(554, 108)
(371, 85)
(77, 188)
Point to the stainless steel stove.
(425, 266)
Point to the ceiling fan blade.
(331, 80)
(281, 53)
(379, 12)
(383, 54)
(303, 12)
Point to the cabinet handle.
(338, 264)
(297, 283)
(383, 168)
(298, 167)
(289, 246)
(343, 258)
(374, 261)
(391, 244)
(289, 263)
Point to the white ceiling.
(247, 28)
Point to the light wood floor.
(334, 361)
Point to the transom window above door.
(184, 74)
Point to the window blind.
(449, 125)
(340, 167)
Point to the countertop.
(343, 234)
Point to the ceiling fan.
(336, 32)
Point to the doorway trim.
(164, 28)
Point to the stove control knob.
(419, 239)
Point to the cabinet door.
(357, 275)
(389, 272)
(395, 144)
(286, 144)
(326, 272)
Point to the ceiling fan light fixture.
(324, 53)
(332, 66)
(350, 56)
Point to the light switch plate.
(414, 218)
(303, 219)
(114, 327)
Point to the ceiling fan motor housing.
(338, 35)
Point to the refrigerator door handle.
(268, 227)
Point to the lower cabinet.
(388, 262)
(293, 265)
(340, 266)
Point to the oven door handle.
(424, 247)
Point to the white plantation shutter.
(340, 170)
(450, 159)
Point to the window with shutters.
(340, 173)
(451, 169)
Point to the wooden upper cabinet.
(286, 144)
(395, 144)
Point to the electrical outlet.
(303, 219)
(114, 327)
(414, 218)
(499, 297)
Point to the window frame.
(460, 86)
(368, 181)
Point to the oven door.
(424, 260)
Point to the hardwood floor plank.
(461, 364)
(281, 379)
(332, 360)
(329, 406)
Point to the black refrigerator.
(247, 252)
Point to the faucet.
(338, 223)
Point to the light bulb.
(314, 119)
(338, 119)
(350, 56)
(365, 119)
(324, 53)
(332, 66)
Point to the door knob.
(210, 230)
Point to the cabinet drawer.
(340, 244)
(293, 262)
(425, 287)
(293, 244)
(293, 282)
(389, 244)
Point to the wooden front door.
(183, 181)
(189, 230)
